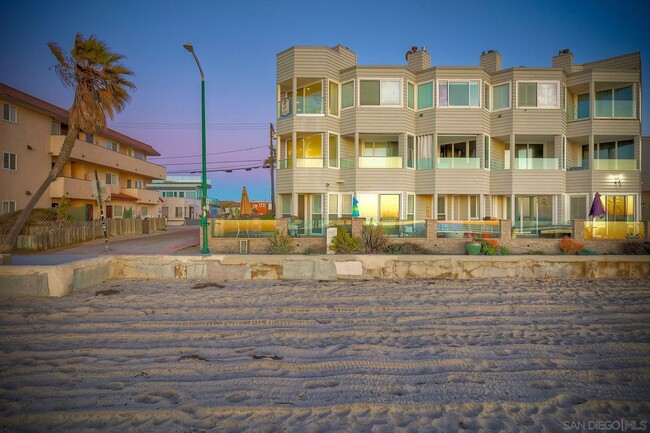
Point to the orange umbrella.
(245, 208)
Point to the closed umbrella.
(355, 207)
(597, 209)
(245, 207)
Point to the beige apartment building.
(31, 135)
(415, 142)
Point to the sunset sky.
(237, 41)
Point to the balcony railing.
(243, 228)
(541, 229)
(380, 162)
(459, 163)
(424, 164)
(578, 165)
(468, 229)
(309, 162)
(615, 164)
(537, 163)
(309, 105)
(614, 230)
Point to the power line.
(212, 162)
(190, 126)
(211, 153)
(226, 170)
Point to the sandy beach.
(357, 356)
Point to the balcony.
(615, 164)
(537, 163)
(72, 188)
(380, 162)
(143, 195)
(459, 163)
(107, 158)
(309, 162)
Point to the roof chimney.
(491, 60)
(564, 60)
(418, 59)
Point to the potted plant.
(473, 245)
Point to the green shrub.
(280, 243)
(373, 239)
(407, 248)
(635, 248)
(128, 213)
(492, 247)
(343, 243)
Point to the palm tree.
(100, 89)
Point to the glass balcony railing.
(537, 163)
(459, 163)
(243, 228)
(578, 165)
(614, 230)
(380, 162)
(541, 229)
(404, 228)
(614, 164)
(309, 105)
(309, 162)
(424, 164)
(314, 227)
(467, 229)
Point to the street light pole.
(204, 181)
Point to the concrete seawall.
(63, 279)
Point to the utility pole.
(101, 212)
(271, 165)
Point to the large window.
(537, 94)
(9, 161)
(501, 96)
(578, 207)
(111, 179)
(460, 154)
(616, 102)
(582, 106)
(179, 212)
(333, 205)
(333, 151)
(380, 92)
(334, 98)
(458, 93)
(614, 155)
(111, 146)
(347, 94)
(8, 206)
(310, 99)
(286, 205)
(425, 96)
(309, 151)
(410, 96)
(9, 113)
(380, 148)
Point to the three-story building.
(415, 142)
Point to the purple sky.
(236, 42)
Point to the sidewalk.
(165, 242)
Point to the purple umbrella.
(597, 207)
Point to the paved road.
(167, 242)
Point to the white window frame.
(338, 149)
(433, 96)
(354, 92)
(637, 107)
(509, 96)
(415, 95)
(406, 208)
(109, 145)
(468, 80)
(8, 203)
(118, 211)
(338, 116)
(114, 177)
(538, 82)
(13, 110)
(323, 82)
(15, 161)
(401, 93)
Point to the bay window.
(537, 94)
(501, 96)
(582, 106)
(425, 96)
(614, 155)
(347, 94)
(333, 151)
(385, 92)
(618, 102)
(410, 97)
(310, 98)
(458, 93)
(333, 98)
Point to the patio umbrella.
(597, 207)
(355, 207)
(245, 208)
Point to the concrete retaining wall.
(63, 279)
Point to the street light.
(204, 182)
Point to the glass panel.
(604, 104)
(334, 98)
(410, 151)
(347, 95)
(425, 96)
(312, 147)
(389, 207)
(624, 102)
(410, 102)
(314, 98)
(442, 94)
(606, 151)
(486, 149)
(458, 94)
(369, 92)
(442, 213)
(346, 205)
(527, 94)
(473, 94)
(316, 204)
(578, 208)
(501, 96)
(390, 92)
(368, 206)
(583, 106)
(333, 150)
(546, 95)
(286, 205)
(625, 149)
(333, 206)
(473, 207)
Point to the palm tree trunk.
(64, 156)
